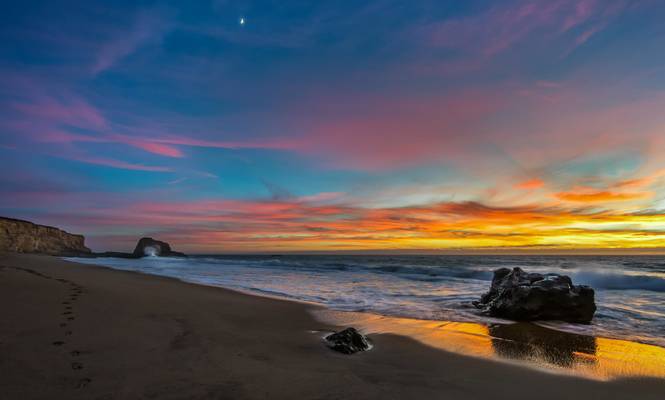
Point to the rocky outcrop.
(145, 247)
(348, 341)
(519, 295)
(25, 237)
(151, 247)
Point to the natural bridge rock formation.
(519, 295)
(25, 237)
(151, 247)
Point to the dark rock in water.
(348, 341)
(151, 247)
(519, 295)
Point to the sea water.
(630, 290)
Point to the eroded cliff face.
(25, 237)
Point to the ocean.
(630, 290)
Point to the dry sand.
(69, 331)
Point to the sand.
(70, 331)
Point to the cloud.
(66, 109)
(530, 184)
(303, 223)
(147, 145)
(590, 195)
(55, 116)
(149, 27)
(382, 132)
(269, 143)
(113, 163)
(277, 192)
(508, 24)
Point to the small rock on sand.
(348, 341)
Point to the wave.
(598, 275)
(614, 281)
(630, 290)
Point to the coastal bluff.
(20, 236)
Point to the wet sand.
(522, 343)
(82, 332)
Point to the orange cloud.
(586, 195)
(302, 225)
(530, 184)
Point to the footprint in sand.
(63, 324)
(58, 343)
(77, 353)
(70, 318)
(68, 333)
(83, 383)
(77, 366)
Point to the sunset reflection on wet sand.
(523, 343)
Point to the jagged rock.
(519, 295)
(25, 237)
(151, 247)
(348, 341)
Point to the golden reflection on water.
(530, 344)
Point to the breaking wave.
(630, 291)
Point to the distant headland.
(19, 236)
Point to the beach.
(80, 332)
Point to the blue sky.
(336, 125)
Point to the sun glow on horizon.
(229, 127)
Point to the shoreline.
(518, 343)
(645, 361)
(409, 287)
(394, 324)
(139, 335)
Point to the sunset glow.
(303, 127)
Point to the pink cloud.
(46, 118)
(375, 133)
(67, 110)
(148, 145)
(321, 197)
(157, 148)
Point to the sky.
(276, 126)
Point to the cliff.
(25, 237)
